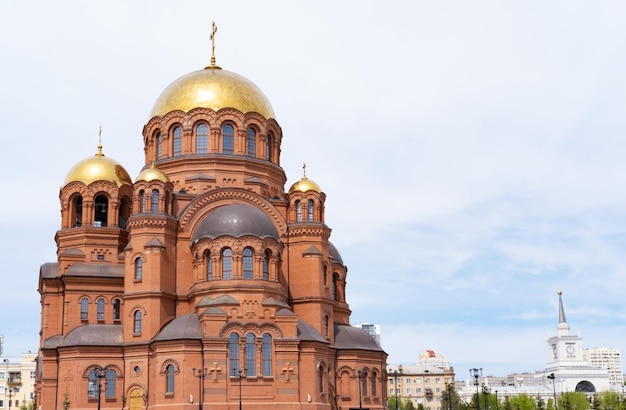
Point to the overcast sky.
(472, 152)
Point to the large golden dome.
(98, 168)
(212, 88)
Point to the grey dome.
(236, 220)
(334, 253)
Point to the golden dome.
(98, 168)
(151, 174)
(305, 184)
(212, 88)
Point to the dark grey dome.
(334, 253)
(236, 220)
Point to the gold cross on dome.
(213, 31)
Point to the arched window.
(109, 384)
(100, 308)
(247, 263)
(159, 145)
(137, 322)
(169, 379)
(228, 139)
(154, 201)
(124, 212)
(227, 264)
(268, 147)
(326, 323)
(320, 378)
(208, 262)
(298, 205)
(101, 211)
(251, 142)
(177, 141)
(117, 305)
(373, 384)
(325, 276)
(202, 139)
(77, 211)
(233, 354)
(266, 355)
(92, 385)
(142, 201)
(363, 377)
(84, 309)
(266, 265)
(138, 269)
(166, 203)
(335, 294)
(250, 355)
(309, 210)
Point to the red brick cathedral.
(203, 283)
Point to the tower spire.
(561, 310)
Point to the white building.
(610, 359)
(17, 380)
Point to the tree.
(573, 401)
(408, 405)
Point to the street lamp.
(551, 376)
(395, 384)
(100, 373)
(240, 372)
(10, 395)
(496, 400)
(476, 373)
(200, 373)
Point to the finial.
(100, 154)
(304, 170)
(559, 293)
(213, 31)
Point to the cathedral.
(203, 282)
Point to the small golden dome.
(98, 168)
(151, 174)
(305, 184)
(212, 88)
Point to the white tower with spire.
(567, 362)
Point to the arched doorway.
(136, 400)
(586, 387)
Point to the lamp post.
(360, 374)
(10, 395)
(476, 373)
(200, 374)
(100, 373)
(241, 373)
(496, 400)
(551, 376)
(395, 382)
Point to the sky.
(472, 152)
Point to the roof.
(236, 220)
(184, 327)
(95, 335)
(348, 337)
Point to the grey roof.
(236, 220)
(184, 327)
(312, 250)
(53, 342)
(271, 301)
(73, 251)
(220, 300)
(334, 253)
(95, 335)
(308, 332)
(348, 337)
(50, 270)
(154, 243)
(96, 269)
(201, 177)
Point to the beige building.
(420, 383)
(17, 381)
(610, 359)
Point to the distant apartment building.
(372, 329)
(17, 380)
(423, 384)
(607, 358)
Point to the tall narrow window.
(142, 204)
(208, 262)
(268, 147)
(266, 265)
(325, 277)
(202, 139)
(266, 355)
(138, 269)
(233, 354)
(77, 211)
(100, 309)
(166, 202)
(109, 384)
(92, 385)
(320, 378)
(124, 212)
(298, 205)
(169, 379)
(247, 263)
(159, 145)
(116, 310)
(309, 210)
(228, 139)
(177, 141)
(334, 289)
(84, 309)
(373, 384)
(326, 322)
(154, 201)
(251, 142)
(227, 264)
(250, 355)
(101, 211)
(137, 319)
